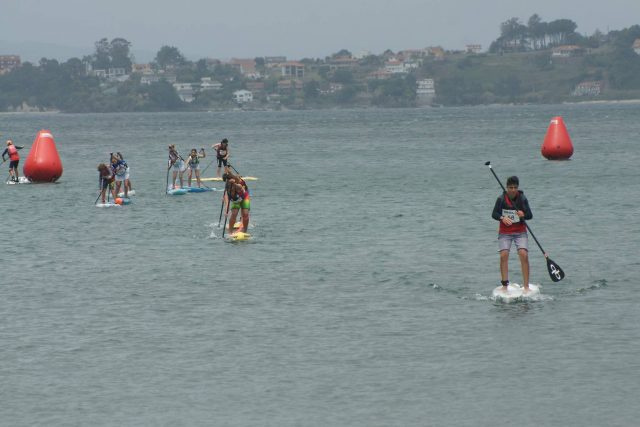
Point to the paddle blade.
(555, 272)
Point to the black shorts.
(222, 162)
(13, 164)
(105, 184)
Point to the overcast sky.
(294, 28)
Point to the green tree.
(101, 58)
(169, 56)
(119, 51)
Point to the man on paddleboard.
(14, 157)
(222, 154)
(512, 209)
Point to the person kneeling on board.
(239, 199)
(14, 157)
(512, 209)
(106, 176)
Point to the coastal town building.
(636, 46)
(567, 51)
(9, 62)
(588, 88)
(425, 91)
(394, 66)
(147, 79)
(288, 86)
(292, 69)
(246, 67)
(474, 48)
(270, 60)
(206, 83)
(257, 88)
(242, 96)
(379, 75)
(342, 62)
(185, 91)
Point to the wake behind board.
(515, 292)
(246, 178)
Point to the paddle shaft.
(99, 191)
(166, 188)
(224, 227)
(525, 223)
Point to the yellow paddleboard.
(246, 178)
(239, 236)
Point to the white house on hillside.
(242, 96)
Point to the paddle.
(226, 215)
(99, 191)
(166, 188)
(555, 272)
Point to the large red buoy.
(43, 162)
(557, 143)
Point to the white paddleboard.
(515, 292)
(107, 205)
(130, 193)
(176, 191)
(21, 180)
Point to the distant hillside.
(34, 51)
(532, 77)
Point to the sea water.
(363, 298)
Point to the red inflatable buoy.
(43, 162)
(557, 143)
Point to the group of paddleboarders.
(180, 165)
(11, 153)
(512, 209)
(236, 197)
(114, 177)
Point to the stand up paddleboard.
(238, 237)
(176, 191)
(21, 180)
(246, 178)
(515, 292)
(198, 189)
(107, 205)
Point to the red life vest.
(518, 227)
(13, 153)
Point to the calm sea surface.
(363, 298)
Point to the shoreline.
(284, 109)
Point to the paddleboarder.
(127, 180)
(512, 209)
(14, 157)
(177, 163)
(121, 172)
(222, 154)
(239, 199)
(106, 177)
(193, 163)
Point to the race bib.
(512, 214)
